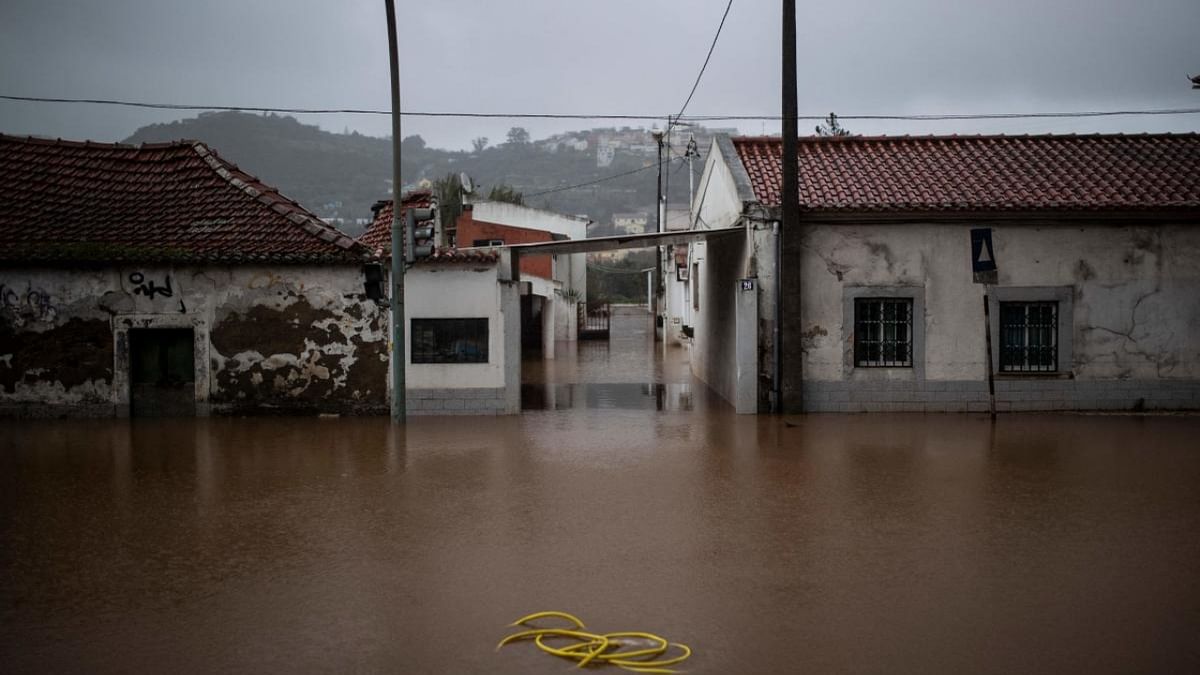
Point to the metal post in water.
(399, 404)
(987, 340)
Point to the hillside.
(339, 176)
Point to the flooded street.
(884, 543)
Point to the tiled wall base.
(1011, 395)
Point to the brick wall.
(471, 230)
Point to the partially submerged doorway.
(162, 372)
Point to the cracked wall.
(283, 338)
(1136, 293)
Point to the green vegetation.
(342, 175)
(619, 281)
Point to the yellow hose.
(597, 649)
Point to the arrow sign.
(983, 256)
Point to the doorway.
(162, 372)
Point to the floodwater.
(820, 544)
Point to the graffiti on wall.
(147, 287)
(143, 285)
(31, 305)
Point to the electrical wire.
(590, 182)
(703, 67)
(602, 116)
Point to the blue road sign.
(983, 257)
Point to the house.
(556, 283)
(163, 280)
(462, 350)
(870, 302)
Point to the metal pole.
(790, 352)
(658, 249)
(399, 404)
(987, 340)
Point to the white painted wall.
(455, 291)
(1136, 302)
(719, 264)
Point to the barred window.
(449, 340)
(1028, 337)
(883, 332)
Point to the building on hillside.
(557, 283)
(631, 223)
(870, 302)
(162, 280)
(462, 350)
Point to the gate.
(594, 321)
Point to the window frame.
(1032, 346)
(1065, 297)
(861, 343)
(850, 370)
(416, 357)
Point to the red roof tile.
(170, 202)
(982, 173)
(378, 236)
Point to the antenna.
(467, 186)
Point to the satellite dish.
(467, 186)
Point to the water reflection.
(883, 543)
(628, 494)
(676, 397)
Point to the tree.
(412, 143)
(479, 143)
(506, 193)
(518, 136)
(830, 127)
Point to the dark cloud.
(589, 56)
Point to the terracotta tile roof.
(982, 173)
(173, 202)
(378, 236)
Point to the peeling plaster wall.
(1135, 299)
(279, 338)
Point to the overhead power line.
(604, 116)
(590, 182)
(705, 66)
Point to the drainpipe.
(776, 391)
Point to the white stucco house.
(462, 352)
(869, 303)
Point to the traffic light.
(418, 229)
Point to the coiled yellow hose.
(599, 649)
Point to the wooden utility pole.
(790, 354)
(399, 402)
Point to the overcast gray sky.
(600, 56)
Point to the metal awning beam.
(621, 241)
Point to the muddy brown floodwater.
(821, 544)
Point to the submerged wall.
(286, 339)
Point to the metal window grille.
(1028, 337)
(883, 332)
(449, 340)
